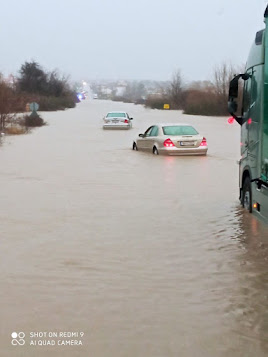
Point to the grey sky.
(128, 39)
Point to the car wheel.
(135, 147)
(155, 151)
(247, 195)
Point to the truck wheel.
(247, 195)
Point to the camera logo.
(18, 338)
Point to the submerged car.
(117, 120)
(171, 139)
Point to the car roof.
(118, 111)
(173, 124)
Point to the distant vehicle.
(117, 120)
(81, 96)
(95, 96)
(171, 139)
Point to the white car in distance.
(117, 120)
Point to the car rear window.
(179, 130)
(116, 115)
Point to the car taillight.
(126, 121)
(168, 143)
(204, 142)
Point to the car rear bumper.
(117, 126)
(201, 150)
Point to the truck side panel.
(264, 156)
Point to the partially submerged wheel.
(134, 147)
(155, 151)
(247, 195)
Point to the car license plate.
(187, 143)
(115, 121)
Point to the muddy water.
(148, 256)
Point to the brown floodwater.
(148, 256)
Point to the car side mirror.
(130, 118)
(141, 135)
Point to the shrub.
(15, 130)
(54, 103)
(33, 120)
(121, 99)
(202, 102)
(156, 102)
(140, 101)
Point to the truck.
(252, 116)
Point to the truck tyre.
(247, 195)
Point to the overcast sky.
(128, 39)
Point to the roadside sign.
(166, 106)
(34, 106)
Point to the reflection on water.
(247, 300)
(148, 255)
(254, 284)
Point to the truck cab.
(253, 119)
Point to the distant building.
(120, 90)
(106, 90)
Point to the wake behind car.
(117, 120)
(171, 139)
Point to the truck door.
(246, 116)
(254, 117)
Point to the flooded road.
(148, 256)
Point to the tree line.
(33, 84)
(197, 98)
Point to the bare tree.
(134, 91)
(222, 77)
(176, 91)
(10, 104)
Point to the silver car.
(171, 139)
(117, 120)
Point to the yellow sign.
(166, 106)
